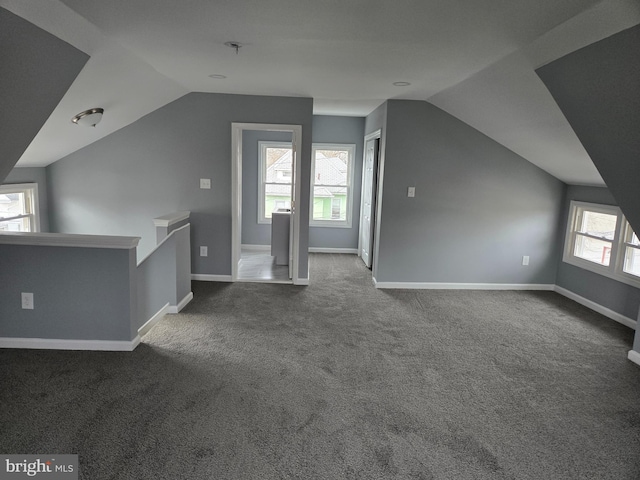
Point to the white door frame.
(236, 191)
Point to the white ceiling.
(472, 58)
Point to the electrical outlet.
(27, 301)
(204, 251)
(525, 260)
(411, 192)
(205, 183)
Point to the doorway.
(369, 203)
(259, 262)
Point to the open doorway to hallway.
(265, 231)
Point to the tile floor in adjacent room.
(259, 266)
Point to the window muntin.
(600, 239)
(275, 171)
(19, 208)
(332, 192)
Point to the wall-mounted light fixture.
(89, 118)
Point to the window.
(600, 239)
(275, 171)
(332, 193)
(19, 208)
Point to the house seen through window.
(332, 194)
(19, 208)
(275, 173)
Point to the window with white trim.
(331, 189)
(19, 208)
(601, 240)
(275, 173)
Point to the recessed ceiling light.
(401, 84)
(218, 77)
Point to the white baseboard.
(210, 278)
(62, 344)
(350, 251)
(183, 303)
(149, 324)
(464, 286)
(596, 307)
(634, 356)
(301, 281)
(256, 248)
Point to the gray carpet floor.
(339, 380)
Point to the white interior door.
(369, 173)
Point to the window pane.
(278, 163)
(634, 239)
(330, 203)
(16, 225)
(331, 167)
(593, 250)
(276, 196)
(599, 224)
(632, 261)
(12, 204)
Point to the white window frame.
(262, 175)
(622, 235)
(31, 194)
(351, 149)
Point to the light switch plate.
(411, 192)
(27, 301)
(204, 251)
(205, 183)
(525, 260)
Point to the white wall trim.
(351, 251)
(62, 344)
(170, 219)
(183, 303)
(210, 278)
(256, 248)
(634, 356)
(68, 240)
(301, 281)
(596, 307)
(149, 324)
(464, 286)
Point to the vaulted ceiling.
(475, 59)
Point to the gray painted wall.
(165, 276)
(478, 206)
(120, 183)
(79, 293)
(254, 233)
(349, 130)
(36, 71)
(617, 296)
(34, 175)
(598, 90)
(376, 120)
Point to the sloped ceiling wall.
(36, 71)
(598, 90)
